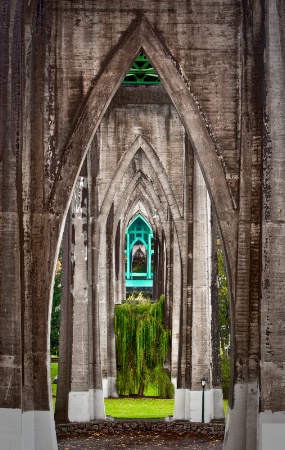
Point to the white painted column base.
(112, 391)
(32, 430)
(182, 404)
(97, 405)
(11, 428)
(78, 406)
(196, 406)
(85, 406)
(109, 387)
(218, 404)
(241, 422)
(271, 431)
(188, 405)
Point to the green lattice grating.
(141, 72)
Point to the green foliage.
(139, 267)
(225, 366)
(139, 408)
(53, 374)
(142, 344)
(55, 314)
(223, 302)
(53, 370)
(135, 295)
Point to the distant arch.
(140, 143)
(139, 180)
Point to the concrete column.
(182, 306)
(175, 311)
(122, 265)
(65, 332)
(118, 264)
(27, 242)
(201, 327)
(78, 407)
(215, 323)
(271, 420)
(110, 287)
(97, 406)
(169, 227)
(96, 398)
(101, 274)
(128, 257)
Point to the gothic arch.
(141, 36)
(148, 204)
(148, 190)
(140, 143)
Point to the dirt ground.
(139, 440)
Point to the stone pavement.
(139, 440)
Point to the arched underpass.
(62, 63)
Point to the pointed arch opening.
(95, 104)
(139, 254)
(140, 37)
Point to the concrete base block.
(174, 382)
(10, 428)
(112, 391)
(196, 406)
(96, 404)
(78, 406)
(179, 404)
(32, 430)
(45, 437)
(109, 387)
(105, 387)
(28, 431)
(86, 406)
(218, 404)
(188, 405)
(271, 431)
(241, 423)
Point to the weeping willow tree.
(142, 344)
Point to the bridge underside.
(82, 152)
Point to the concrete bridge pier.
(188, 399)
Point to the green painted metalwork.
(141, 72)
(139, 243)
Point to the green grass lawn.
(142, 408)
(53, 373)
(139, 408)
(133, 408)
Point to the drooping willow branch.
(142, 344)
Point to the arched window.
(139, 250)
(141, 72)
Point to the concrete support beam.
(65, 332)
(271, 421)
(78, 405)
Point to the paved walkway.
(139, 440)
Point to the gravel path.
(139, 440)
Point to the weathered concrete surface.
(272, 313)
(211, 59)
(154, 179)
(140, 172)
